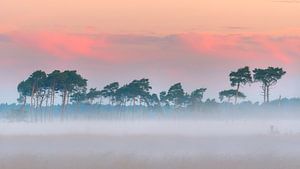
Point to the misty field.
(151, 144)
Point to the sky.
(196, 42)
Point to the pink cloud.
(274, 48)
(208, 43)
(64, 45)
(134, 48)
(243, 46)
(109, 48)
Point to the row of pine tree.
(41, 89)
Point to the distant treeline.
(40, 90)
(279, 108)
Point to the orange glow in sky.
(155, 16)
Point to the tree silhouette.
(24, 90)
(70, 82)
(197, 96)
(154, 100)
(176, 95)
(79, 97)
(53, 83)
(92, 95)
(268, 77)
(229, 94)
(241, 77)
(37, 81)
(163, 98)
(122, 95)
(139, 90)
(109, 91)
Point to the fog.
(151, 143)
(154, 127)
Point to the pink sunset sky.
(196, 42)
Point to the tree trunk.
(52, 96)
(47, 98)
(236, 93)
(24, 104)
(63, 104)
(268, 94)
(37, 100)
(67, 103)
(134, 104)
(52, 102)
(32, 95)
(42, 100)
(264, 92)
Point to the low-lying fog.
(151, 144)
(154, 127)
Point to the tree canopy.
(230, 94)
(268, 77)
(240, 77)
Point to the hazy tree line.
(42, 90)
